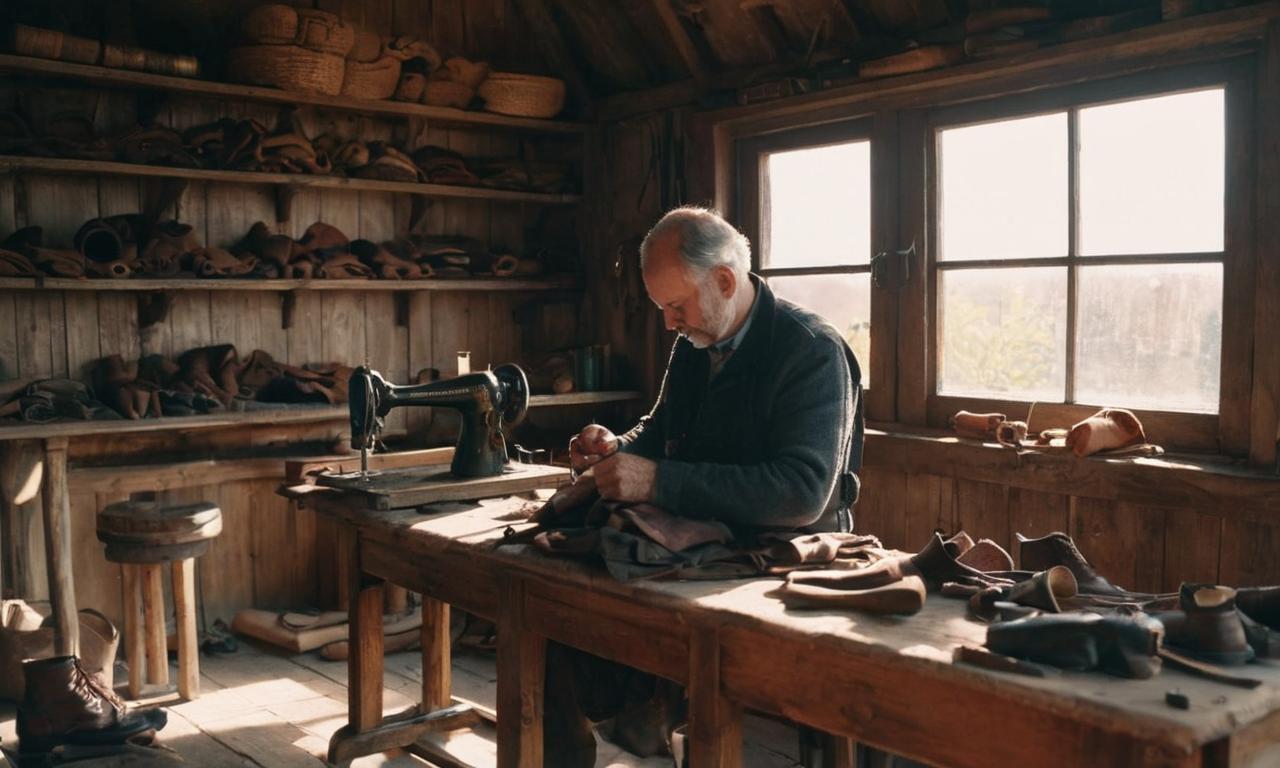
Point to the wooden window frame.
(751, 214)
(1224, 431)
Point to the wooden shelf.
(582, 398)
(296, 415)
(123, 78)
(556, 283)
(21, 430)
(13, 163)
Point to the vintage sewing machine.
(488, 401)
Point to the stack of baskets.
(294, 49)
(53, 44)
(509, 93)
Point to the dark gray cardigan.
(773, 440)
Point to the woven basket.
(276, 24)
(324, 32)
(81, 50)
(271, 24)
(287, 67)
(34, 41)
(508, 93)
(368, 48)
(372, 81)
(446, 93)
(172, 64)
(124, 57)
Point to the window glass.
(1150, 336)
(843, 300)
(1152, 175)
(1003, 189)
(818, 206)
(1003, 333)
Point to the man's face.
(697, 310)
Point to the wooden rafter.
(551, 42)
(680, 39)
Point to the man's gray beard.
(717, 314)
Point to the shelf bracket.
(153, 308)
(284, 201)
(288, 300)
(402, 308)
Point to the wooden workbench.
(888, 682)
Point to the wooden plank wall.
(1138, 546)
(266, 555)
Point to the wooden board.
(183, 85)
(415, 486)
(12, 163)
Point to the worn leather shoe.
(64, 704)
(1058, 549)
(1207, 626)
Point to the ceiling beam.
(544, 29)
(681, 40)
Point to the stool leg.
(153, 611)
(136, 649)
(184, 600)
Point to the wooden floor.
(261, 708)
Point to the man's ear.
(726, 281)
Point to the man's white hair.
(706, 241)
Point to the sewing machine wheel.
(516, 384)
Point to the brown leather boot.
(66, 705)
(1058, 549)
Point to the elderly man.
(758, 424)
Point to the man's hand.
(624, 477)
(591, 445)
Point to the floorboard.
(261, 708)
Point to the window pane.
(1003, 191)
(1150, 336)
(818, 206)
(845, 302)
(1151, 175)
(1003, 333)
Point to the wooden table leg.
(522, 658)
(57, 547)
(715, 723)
(437, 658)
(153, 613)
(21, 473)
(184, 608)
(366, 732)
(364, 661)
(136, 648)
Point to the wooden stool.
(143, 535)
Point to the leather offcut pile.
(128, 245)
(1110, 431)
(245, 144)
(200, 381)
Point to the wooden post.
(57, 547)
(397, 599)
(436, 656)
(153, 616)
(135, 644)
(715, 723)
(364, 660)
(184, 602)
(522, 658)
